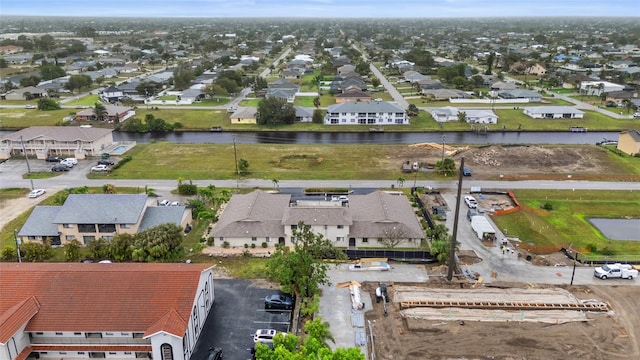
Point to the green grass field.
(567, 224)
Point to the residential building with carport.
(553, 112)
(103, 310)
(366, 113)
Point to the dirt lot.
(526, 161)
(603, 336)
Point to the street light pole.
(442, 164)
(15, 237)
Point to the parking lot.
(237, 313)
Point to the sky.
(321, 8)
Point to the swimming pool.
(119, 150)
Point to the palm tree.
(275, 183)
(100, 111)
(400, 181)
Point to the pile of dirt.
(602, 335)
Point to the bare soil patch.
(610, 335)
(526, 161)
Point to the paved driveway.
(237, 313)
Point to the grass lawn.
(22, 118)
(250, 102)
(89, 100)
(283, 162)
(592, 120)
(567, 223)
(191, 119)
(216, 101)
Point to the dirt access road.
(612, 335)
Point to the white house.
(553, 112)
(366, 113)
(117, 311)
(450, 113)
(597, 88)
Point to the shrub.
(188, 189)
(246, 246)
(253, 245)
(210, 241)
(547, 206)
(264, 244)
(124, 160)
(225, 244)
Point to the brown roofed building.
(629, 142)
(82, 311)
(360, 220)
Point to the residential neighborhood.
(319, 184)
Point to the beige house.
(629, 142)
(529, 69)
(357, 221)
(22, 93)
(42, 141)
(244, 116)
(85, 217)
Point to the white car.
(264, 335)
(29, 106)
(471, 202)
(73, 161)
(36, 193)
(636, 115)
(100, 168)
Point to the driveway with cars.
(237, 313)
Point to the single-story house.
(360, 221)
(596, 88)
(245, 115)
(114, 113)
(445, 94)
(22, 93)
(530, 69)
(352, 96)
(629, 142)
(103, 310)
(74, 141)
(450, 113)
(366, 113)
(303, 114)
(501, 85)
(532, 96)
(553, 112)
(85, 217)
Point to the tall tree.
(100, 111)
(274, 111)
(301, 270)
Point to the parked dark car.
(278, 301)
(53, 159)
(214, 354)
(466, 171)
(106, 162)
(60, 167)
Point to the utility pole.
(235, 155)
(24, 151)
(442, 164)
(454, 236)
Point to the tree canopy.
(273, 111)
(301, 270)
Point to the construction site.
(461, 320)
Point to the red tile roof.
(171, 322)
(101, 297)
(15, 317)
(24, 353)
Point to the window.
(137, 335)
(125, 334)
(365, 240)
(124, 226)
(106, 228)
(196, 322)
(294, 227)
(93, 335)
(108, 238)
(87, 228)
(109, 334)
(69, 237)
(333, 121)
(39, 333)
(340, 238)
(253, 238)
(58, 333)
(67, 226)
(97, 355)
(142, 355)
(77, 333)
(86, 239)
(267, 239)
(340, 226)
(166, 352)
(32, 238)
(221, 238)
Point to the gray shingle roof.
(101, 209)
(255, 214)
(378, 211)
(369, 106)
(40, 222)
(317, 215)
(552, 110)
(157, 215)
